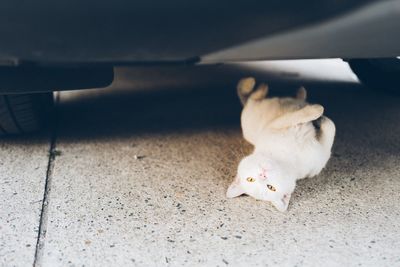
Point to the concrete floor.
(139, 172)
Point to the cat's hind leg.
(306, 114)
(326, 132)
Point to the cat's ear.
(235, 189)
(301, 93)
(282, 204)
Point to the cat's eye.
(270, 187)
(250, 179)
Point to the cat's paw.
(246, 85)
(301, 93)
(260, 93)
(313, 112)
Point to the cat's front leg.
(245, 90)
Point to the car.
(51, 46)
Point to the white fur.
(287, 146)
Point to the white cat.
(291, 138)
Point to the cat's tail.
(245, 90)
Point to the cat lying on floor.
(292, 140)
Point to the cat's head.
(264, 179)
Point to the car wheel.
(381, 73)
(24, 113)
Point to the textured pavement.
(137, 176)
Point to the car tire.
(380, 73)
(24, 113)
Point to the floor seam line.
(47, 187)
